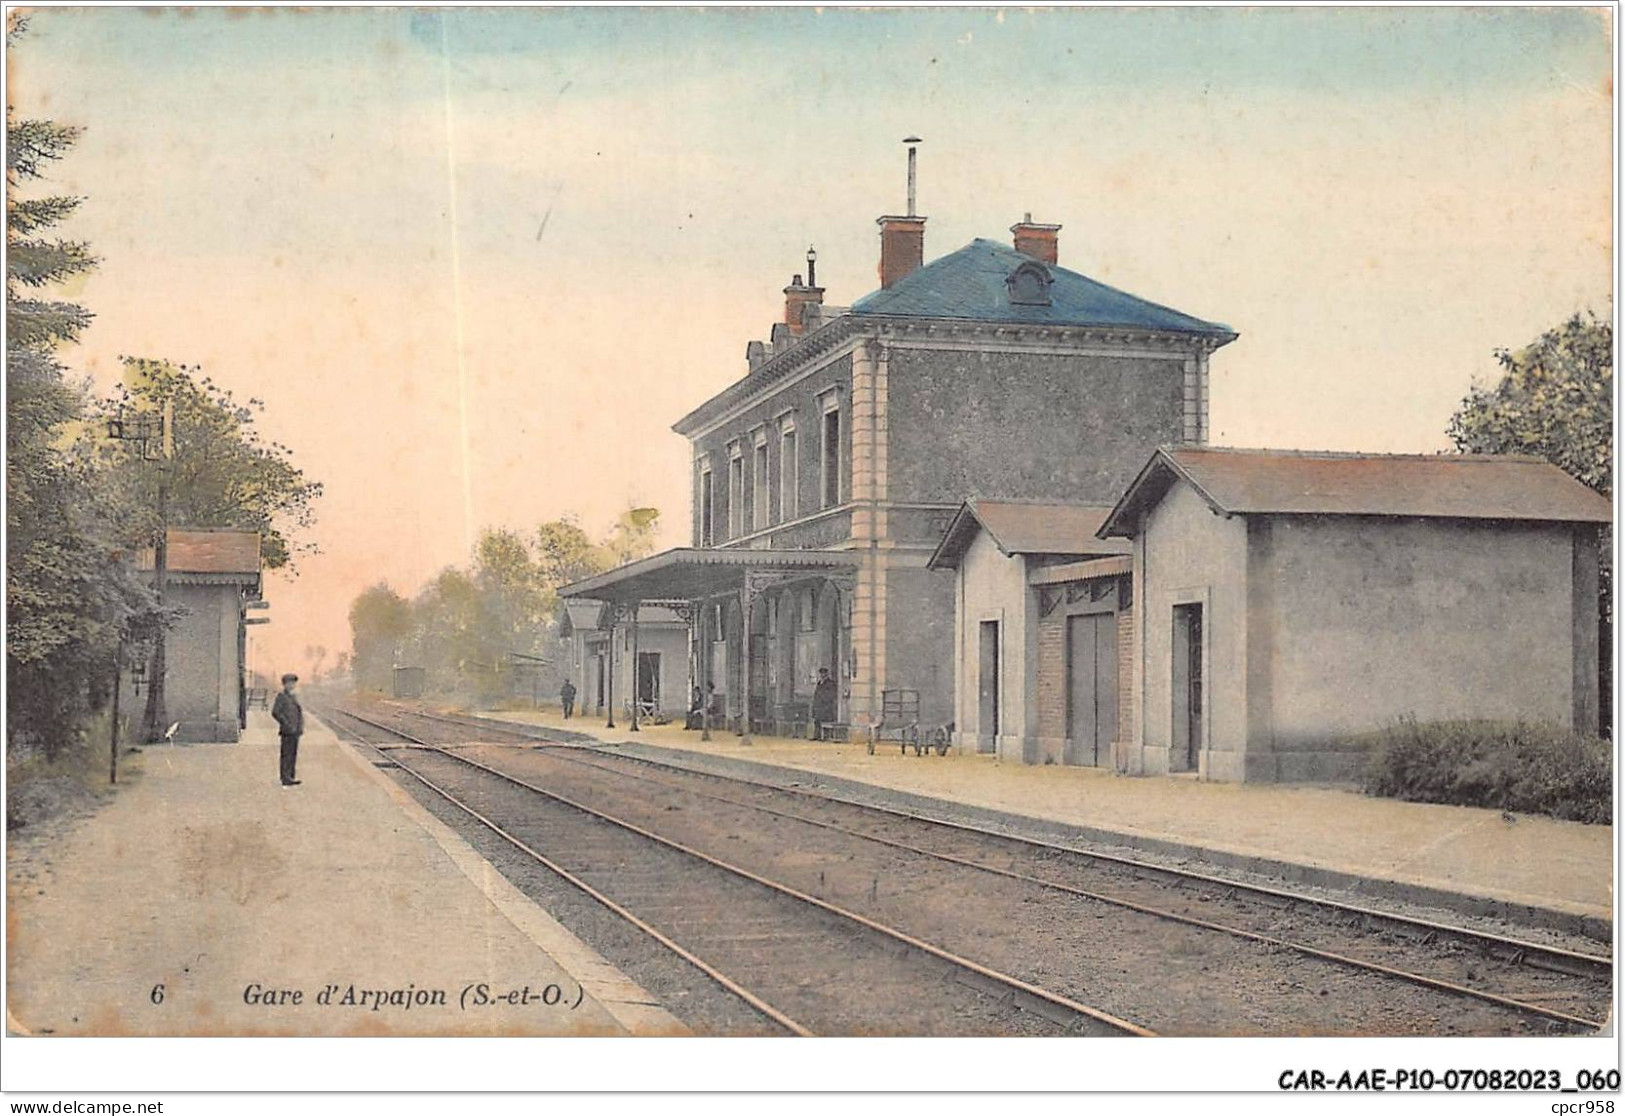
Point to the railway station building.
(825, 476)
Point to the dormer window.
(1029, 285)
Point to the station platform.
(204, 888)
(1523, 870)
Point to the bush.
(1506, 765)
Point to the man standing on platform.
(567, 698)
(823, 703)
(290, 721)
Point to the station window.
(830, 454)
(760, 484)
(707, 511)
(789, 472)
(736, 494)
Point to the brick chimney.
(1038, 241)
(902, 239)
(798, 296)
(902, 247)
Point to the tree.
(466, 627)
(223, 473)
(633, 535)
(71, 599)
(380, 622)
(1555, 401)
(565, 553)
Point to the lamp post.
(154, 435)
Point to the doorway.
(987, 718)
(648, 683)
(1186, 746)
(1091, 706)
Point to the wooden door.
(1187, 687)
(987, 718)
(1091, 659)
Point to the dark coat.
(289, 714)
(823, 702)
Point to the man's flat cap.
(290, 678)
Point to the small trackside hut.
(211, 578)
(1290, 602)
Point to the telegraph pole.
(142, 431)
(160, 569)
(153, 722)
(118, 684)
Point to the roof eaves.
(1118, 525)
(774, 368)
(1221, 334)
(956, 539)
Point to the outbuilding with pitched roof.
(1044, 611)
(1290, 603)
(212, 576)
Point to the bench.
(260, 696)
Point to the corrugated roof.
(970, 284)
(210, 552)
(1436, 486)
(1020, 527)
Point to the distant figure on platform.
(290, 722)
(696, 710)
(823, 703)
(567, 698)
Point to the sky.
(477, 261)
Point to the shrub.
(1506, 765)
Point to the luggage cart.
(899, 721)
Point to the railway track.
(807, 965)
(1546, 988)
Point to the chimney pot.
(1036, 239)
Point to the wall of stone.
(917, 636)
(1376, 619)
(803, 399)
(1026, 425)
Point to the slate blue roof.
(970, 284)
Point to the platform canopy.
(689, 574)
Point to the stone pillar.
(745, 599)
(870, 529)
